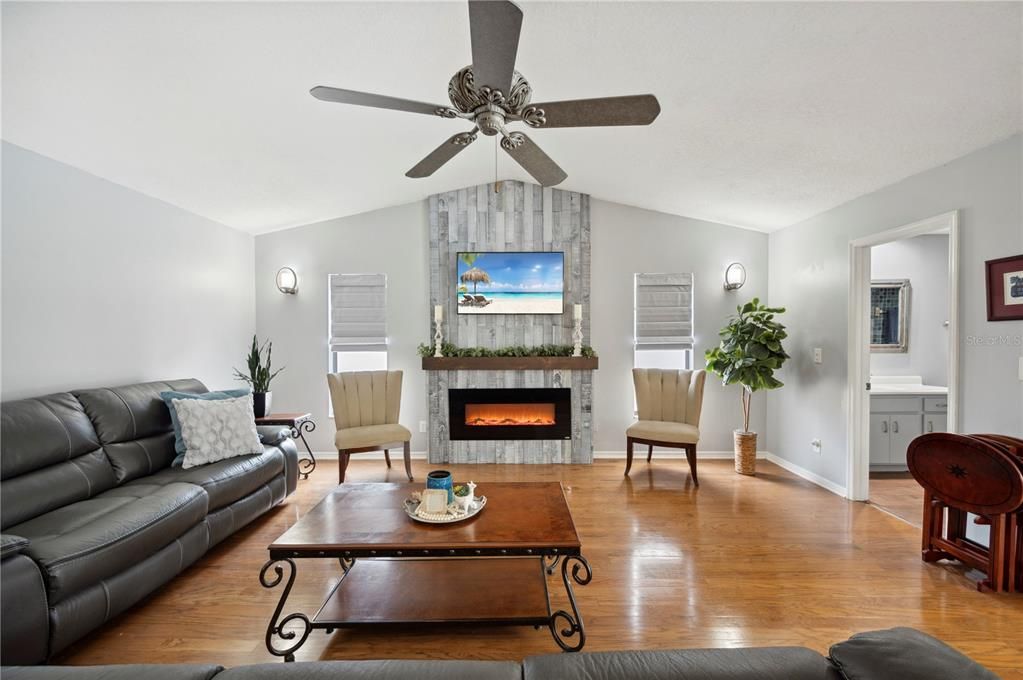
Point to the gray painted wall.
(809, 272)
(104, 286)
(392, 241)
(628, 240)
(924, 261)
(625, 240)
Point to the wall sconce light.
(735, 276)
(287, 281)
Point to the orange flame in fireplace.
(488, 415)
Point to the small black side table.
(299, 424)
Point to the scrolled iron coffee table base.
(285, 634)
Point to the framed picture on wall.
(1005, 288)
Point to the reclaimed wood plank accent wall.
(518, 217)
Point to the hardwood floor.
(899, 494)
(741, 561)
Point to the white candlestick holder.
(438, 338)
(577, 338)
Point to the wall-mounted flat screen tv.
(510, 283)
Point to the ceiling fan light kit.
(490, 93)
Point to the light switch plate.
(422, 426)
(818, 355)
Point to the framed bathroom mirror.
(889, 315)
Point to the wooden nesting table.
(491, 569)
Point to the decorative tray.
(454, 513)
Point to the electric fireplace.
(510, 413)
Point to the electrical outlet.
(815, 444)
(818, 355)
(422, 426)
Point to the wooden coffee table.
(490, 569)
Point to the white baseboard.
(662, 454)
(597, 455)
(799, 471)
(640, 452)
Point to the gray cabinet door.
(904, 428)
(935, 422)
(880, 442)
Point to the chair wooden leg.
(691, 459)
(650, 453)
(628, 455)
(408, 460)
(342, 466)
(387, 458)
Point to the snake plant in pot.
(748, 355)
(259, 376)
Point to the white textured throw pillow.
(215, 430)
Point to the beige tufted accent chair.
(366, 405)
(669, 412)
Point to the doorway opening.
(903, 355)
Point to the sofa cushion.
(678, 433)
(903, 654)
(791, 663)
(51, 457)
(84, 542)
(122, 672)
(225, 481)
(378, 670)
(371, 435)
(134, 425)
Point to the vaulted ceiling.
(771, 112)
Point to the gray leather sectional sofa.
(94, 518)
(895, 654)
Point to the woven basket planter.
(745, 452)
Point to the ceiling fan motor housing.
(467, 98)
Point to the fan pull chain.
(497, 184)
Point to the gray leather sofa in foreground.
(896, 654)
(95, 518)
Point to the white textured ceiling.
(771, 112)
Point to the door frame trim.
(858, 340)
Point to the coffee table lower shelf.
(412, 591)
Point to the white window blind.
(358, 312)
(664, 311)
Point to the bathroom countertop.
(908, 389)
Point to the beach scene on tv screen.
(510, 283)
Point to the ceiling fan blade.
(494, 27)
(379, 101)
(639, 109)
(533, 159)
(442, 154)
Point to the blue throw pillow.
(179, 443)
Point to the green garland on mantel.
(449, 350)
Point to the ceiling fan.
(491, 93)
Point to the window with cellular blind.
(663, 320)
(358, 313)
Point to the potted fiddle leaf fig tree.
(748, 355)
(259, 376)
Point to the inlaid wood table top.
(369, 520)
(283, 418)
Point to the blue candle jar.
(441, 479)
